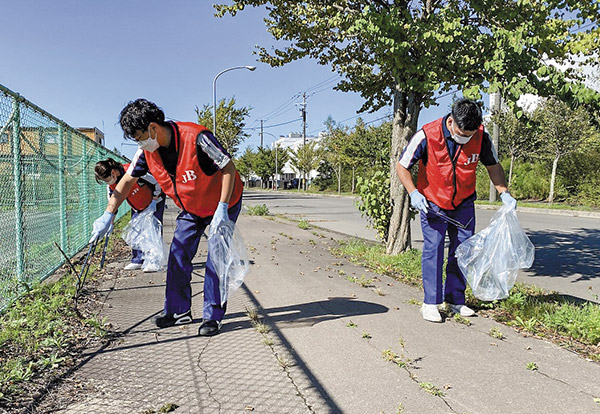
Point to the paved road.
(567, 246)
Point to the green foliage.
(245, 163)
(306, 157)
(303, 224)
(265, 161)
(374, 193)
(258, 210)
(230, 123)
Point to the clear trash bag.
(229, 257)
(144, 233)
(491, 259)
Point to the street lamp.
(215, 93)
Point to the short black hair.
(137, 115)
(467, 114)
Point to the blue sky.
(83, 61)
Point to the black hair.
(103, 169)
(467, 114)
(137, 116)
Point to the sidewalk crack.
(210, 390)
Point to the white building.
(293, 141)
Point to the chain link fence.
(48, 192)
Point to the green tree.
(244, 164)
(562, 130)
(517, 138)
(410, 51)
(230, 123)
(333, 142)
(269, 162)
(307, 157)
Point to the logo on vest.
(473, 158)
(134, 191)
(189, 175)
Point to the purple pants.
(178, 292)
(137, 255)
(434, 234)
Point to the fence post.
(62, 199)
(16, 135)
(86, 200)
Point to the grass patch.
(362, 281)
(531, 366)
(496, 333)
(574, 324)
(405, 267)
(258, 210)
(39, 334)
(431, 389)
(303, 224)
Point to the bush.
(374, 192)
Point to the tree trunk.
(353, 176)
(510, 170)
(406, 116)
(340, 178)
(553, 178)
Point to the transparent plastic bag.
(144, 233)
(229, 257)
(491, 259)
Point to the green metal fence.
(47, 192)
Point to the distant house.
(293, 141)
(93, 133)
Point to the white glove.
(102, 225)
(508, 200)
(220, 214)
(418, 201)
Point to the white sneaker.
(431, 313)
(133, 266)
(462, 310)
(150, 268)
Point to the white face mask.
(149, 144)
(460, 139)
(112, 180)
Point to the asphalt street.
(567, 243)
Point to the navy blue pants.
(178, 292)
(434, 234)
(138, 256)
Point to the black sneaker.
(164, 320)
(209, 328)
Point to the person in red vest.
(146, 193)
(194, 169)
(448, 150)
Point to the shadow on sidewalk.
(307, 314)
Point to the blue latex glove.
(220, 214)
(508, 200)
(102, 225)
(152, 206)
(418, 201)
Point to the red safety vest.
(191, 189)
(445, 181)
(140, 195)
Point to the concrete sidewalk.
(324, 349)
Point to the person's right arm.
(120, 193)
(405, 178)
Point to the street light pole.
(251, 68)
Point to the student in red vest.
(146, 193)
(447, 151)
(194, 170)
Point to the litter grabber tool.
(85, 268)
(451, 220)
(104, 250)
(66, 259)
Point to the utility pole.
(261, 133)
(304, 134)
(495, 105)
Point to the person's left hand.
(220, 214)
(508, 200)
